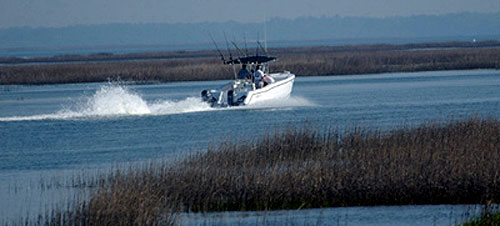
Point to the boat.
(240, 92)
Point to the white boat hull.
(278, 90)
(243, 92)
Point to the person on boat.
(267, 79)
(243, 73)
(257, 76)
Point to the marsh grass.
(489, 216)
(294, 168)
(485, 220)
(305, 167)
(302, 61)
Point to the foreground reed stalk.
(452, 163)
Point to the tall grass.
(303, 61)
(303, 168)
(342, 63)
(490, 216)
(485, 220)
(104, 56)
(294, 168)
(142, 71)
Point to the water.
(50, 133)
(366, 216)
(86, 50)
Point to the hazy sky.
(57, 13)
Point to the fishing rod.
(216, 47)
(228, 49)
(230, 57)
(239, 50)
(245, 37)
(265, 51)
(257, 48)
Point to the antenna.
(265, 68)
(216, 47)
(265, 32)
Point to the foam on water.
(190, 104)
(117, 101)
(293, 101)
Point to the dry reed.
(303, 61)
(294, 168)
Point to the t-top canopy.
(252, 60)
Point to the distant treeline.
(205, 65)
(295, 168)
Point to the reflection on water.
(360, 216)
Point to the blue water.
(51, 133)
(367, 216)
(86, 50)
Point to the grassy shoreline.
(294, 168)
(204, 65)
(487, 219)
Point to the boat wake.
(117, 101)
(290, 102)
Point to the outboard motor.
(207, 97)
